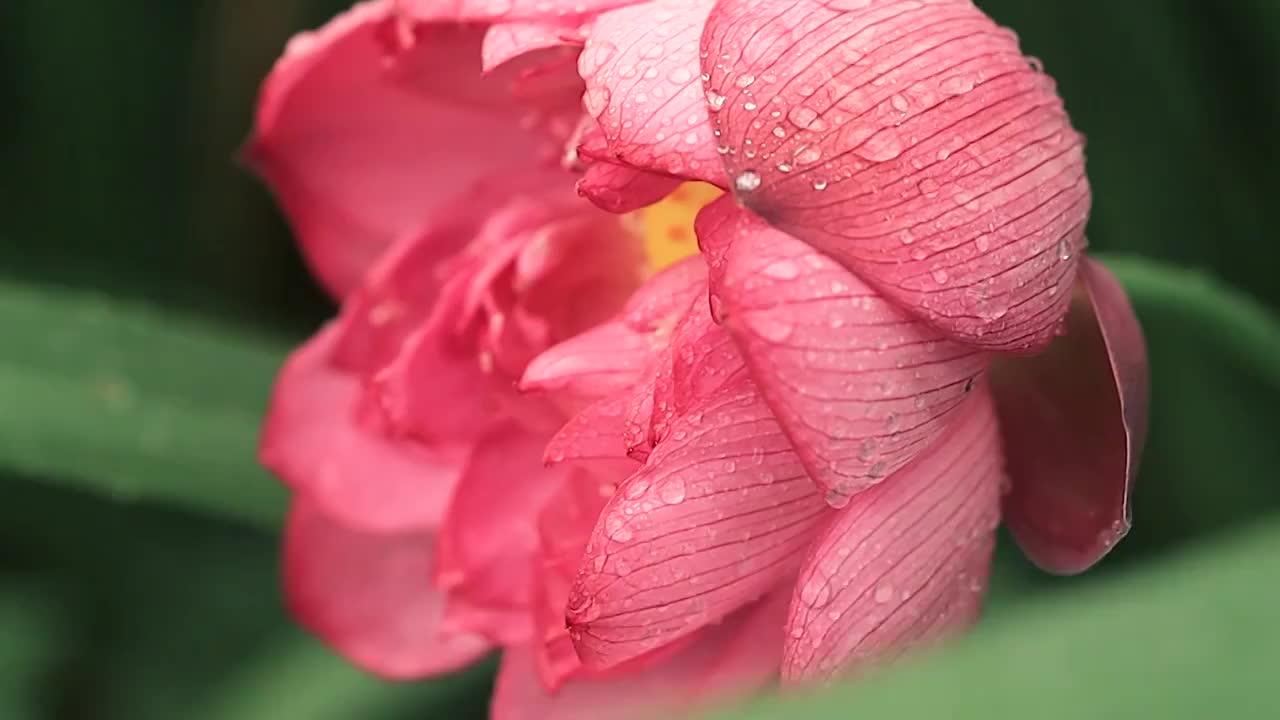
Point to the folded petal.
(622, 189)
(1074, 420)
(717, 517)
(860, 386)
(906, 561)
(641, 68)
(370, 596)
(506, 41)
(352, 134)
(601, 361)
(323, 439)
(490, 535)
(913, 143)
(435, 389)
(725, 662)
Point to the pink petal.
(906, 561)
(622, 189)
(660, 302)
(596, 433)
(640, 64)
(564, 526)
(504, 10)
(507, 41)
(718, 516)
(351, 134)
(914, 144)
(594, 364)
(323, 439)
(435, 389)
(858, 385)
(1074, 420)
(370, 596)
(490, 535)
(723, 663)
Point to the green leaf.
(268, 689)
(135, 403)
(31, 644)
(1193, 638)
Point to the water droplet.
(768, 328)
(877, 471)
(884, 593)
(616, 529)
(940, 276)
(745, 81)
(819, 184)
(956, 84)
(797, 632)
(673, 492)
(885, 145)
(746, 181)
(1064, 250)
(867, 450)
(714, 100)
(779, 132)
(749, 105)
(815, 593)
(892, 423)
(782, 270)
(982, 242)
(807, 155)
(680, 76)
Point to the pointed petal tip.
(1074, 421)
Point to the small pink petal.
(717, 517)
(859, 386)
(599, 362)
(351, 136)
(914, 144)
(595, 433)
(622, 189)
(435, 388)
(1074, 420)
(323, 439)
(490, 535)
(906, 561)
(640, 65)
(370, 596)
(507, 41)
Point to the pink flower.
(786, 455)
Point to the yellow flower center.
(667, 225)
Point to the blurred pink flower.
(784, 456)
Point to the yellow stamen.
(667, 225)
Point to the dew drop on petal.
(746, 181)
(672, 492)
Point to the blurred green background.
(149, 289)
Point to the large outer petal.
(360, 145)
(906, 561)
(717, 517)
(370, 596)
(859, 386)
(723, 663)
(323, 439)
(912, 142)
(490, 536)
(1074, 420)
(640, 65)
